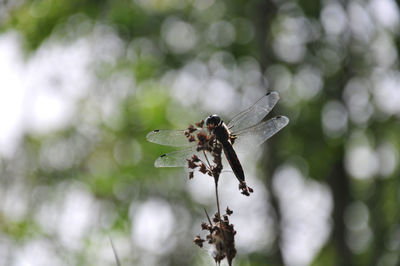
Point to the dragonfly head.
(213, 121)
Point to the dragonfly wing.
(174, 138)
(256, 135)
(177, 158)
(255, 113)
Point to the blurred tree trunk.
(340, 187)
(377, 221)
(265, 11)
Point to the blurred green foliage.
(335, 64)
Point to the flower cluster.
(205, 143)
(221, 236)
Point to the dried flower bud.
(191, 164)
(202, 137)
(198, 241)
(203, 168)
(224, 243)
(216, 218)
(191, 129)
(195, 158)
(200, 124)
(228, 211)
(204, 226)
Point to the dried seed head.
(224, 242)
(191, 164)
(203, 168)
(205, 226)
(200, 124)
(221, 237)
(198, 241)
(191, 129)
(226, 219)
(221, 234)
(195, 158)
(202, 137)
(216, 218)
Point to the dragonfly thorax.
(217, 127)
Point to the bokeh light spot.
(180, 36)
(334, 119)
(153, 225)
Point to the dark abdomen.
(233, 160)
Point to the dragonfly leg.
(232, 138)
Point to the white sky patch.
(356, 95)
(219, 94)
(334, 119)
(39, 94)
(360, 20)
(388, 159)
(152, 226)
(333, 19)
(385, 12)
(14, 199)
(38, 252)
(291, 36)
(12, 92)
(361, 162)
(78, 213)
(251, 215)
(185, 87)
(308, 82)
(306, 207)
(386, 91)
(69, 214)
(180, 36)
(55, 77)
(202, 187)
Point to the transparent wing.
(255, 113)
(177, 158)
(256, 135)
(174, 138)
(246, 140)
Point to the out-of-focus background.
(83, 81)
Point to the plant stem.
(216, 195)
(216, 186)
(208, 162)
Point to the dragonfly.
(246, 130)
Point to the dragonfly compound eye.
(213, 120)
